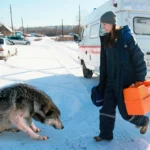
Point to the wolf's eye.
(49, 113)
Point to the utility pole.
(79, 22)
(62, 29)
(11, 18)
(27, 29)
(22, 25)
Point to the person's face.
(107, 27)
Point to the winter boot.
(143, 129)
(98, 139)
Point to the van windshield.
(141, 25)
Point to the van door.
(94, 47)
(89, 46)
(84, 51)
(140, 24)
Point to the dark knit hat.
(109, 17)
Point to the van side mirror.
(76, 38)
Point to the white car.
(7, 48)
(18, 40)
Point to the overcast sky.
(45, 12)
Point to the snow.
(54, 68)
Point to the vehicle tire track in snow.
(65, 55)
(64, 51)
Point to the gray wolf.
(19, 103)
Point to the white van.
(135, 13)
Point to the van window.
(141, 25)
(102, 31)
(1, 41)
(14, 38)
(83, 33)
(94, 31)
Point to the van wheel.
(87, 73)
(5, 59)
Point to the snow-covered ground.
(53, 67)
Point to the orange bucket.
(137, 99)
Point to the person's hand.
(138, 83)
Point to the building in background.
(5, 30)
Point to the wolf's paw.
(43, 138)
(39, 137)
(35, 129)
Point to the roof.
(6, 26)
(134, 5)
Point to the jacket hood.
(126, 32)
(126, 29)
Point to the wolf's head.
(53, 119)
(48, 114)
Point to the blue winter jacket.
(130, 63)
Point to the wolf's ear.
(45, 109)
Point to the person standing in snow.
(121, 64)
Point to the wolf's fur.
(22, 101)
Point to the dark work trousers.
(108, 112)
